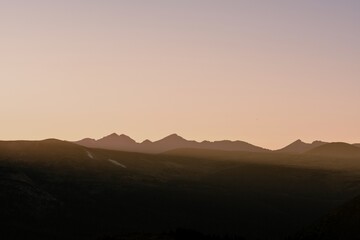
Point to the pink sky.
(266, 72)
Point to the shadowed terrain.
(59, 190)
(341, 223)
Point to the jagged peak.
(112, 135)
(115, 137)
(173, 137)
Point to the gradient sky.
(267, 72)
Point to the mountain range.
(172, 142)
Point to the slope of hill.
(50, 154)
(300, 147)
(336, 150)
(174, 141)
(88, 142)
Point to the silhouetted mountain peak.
(298, 142)
(117, 136)
(300, 147)
(123, 136)
(171, 142)
(113, 135)
(173, 137)
(147, 141)
(114, 139)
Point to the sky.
(266, 72)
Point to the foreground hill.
(125, 143)
(58, 190)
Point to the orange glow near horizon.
(209, 70)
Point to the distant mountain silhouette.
(89, 142)
(112, 141)
(343, 150)
(300, 147)
(171, 142)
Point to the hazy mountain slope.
(337, 150)
(121, 142)
(227, 145)
(87, 142)
(300, 147)
(112, 141)
(170, 142)
(174, 141)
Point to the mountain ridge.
(174, 141)
(300, 147)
